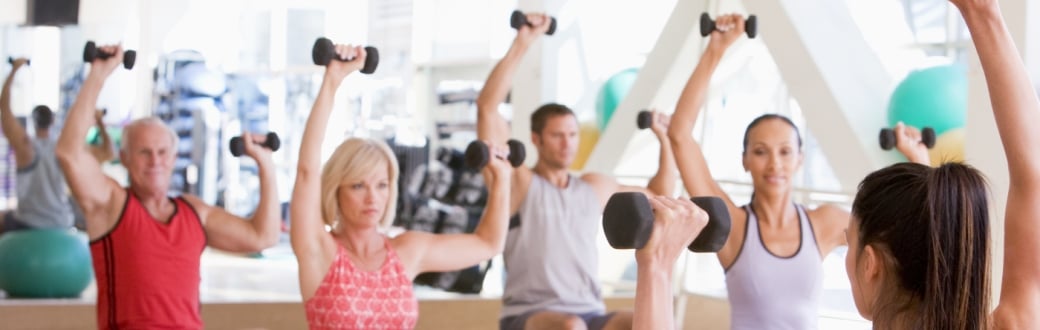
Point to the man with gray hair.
(146, 246)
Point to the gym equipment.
(478, 155)
(936, 97)
(949, 147)
(324, 52)
(750, 25)
(887, 138)
(644, 119)
(44, 263)
(628, 220)
(610, 95)
(519, 19)
(272, 142)
(10, 60)
(588, 136)
(91, 53)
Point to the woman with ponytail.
(918, 239)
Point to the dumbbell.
(478, 155)
(324, 52)
(272, 142)
(520, 19)
(91, 52)
(10, 60)
(887, 138)
(644, 119)
(750, 25)
(628, 220)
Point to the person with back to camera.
(353, 276)
(40, 185)
(773, 260)
(146, 246)
(919, 236)
(551, 253)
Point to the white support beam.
(659, 83)
(836, 77)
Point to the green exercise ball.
(613, 91)
(935, 97)
(44, 263)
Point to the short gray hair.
(144, 122)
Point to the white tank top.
(767, 291)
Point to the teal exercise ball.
(611, 94)
(935, 97)
(44, 263)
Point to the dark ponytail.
(931, 228)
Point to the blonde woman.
(354, 276)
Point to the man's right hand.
(102, 68)
(539, 24)
(728, 28)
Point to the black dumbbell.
(628, 220)
(324, 52)
(478, 155)
(520, 19)
(272, 142)
(644, 119)
(750, 25)
(10, 60)
(91, 52)
(887, 138)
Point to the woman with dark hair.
(775, 250)
(918, 239)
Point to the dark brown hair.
(544, 112)
(931, 228)
(770, 116)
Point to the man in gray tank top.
(550, 253)
(40, 184)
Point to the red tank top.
(350, 298)
(148, 272)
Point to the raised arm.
(908, 142)
(307, 231)
(677, 222)
(1017, 113)
(229, 232)
(92, 189)
(662, 183)
(104, 152)
(490, 124)
(448, 252)
(689, 157)
(13, 131)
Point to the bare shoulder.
(600, 181)
(202, 209)
(409, 244)
(829, 214)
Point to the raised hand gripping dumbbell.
(519, 19)
(628, 220)
(271, 142)
(478, 155)
(91, 53)
(10, 60)
(324, 52)
(750, 25)
(887, 138)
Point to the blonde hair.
(354, 158)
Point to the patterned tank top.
(350, 298)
